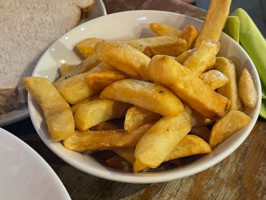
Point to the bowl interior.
(134, 24)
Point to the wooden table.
(242, 175)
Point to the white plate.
(97, 11)
(134, 24)
(23, 112)
(14, 116)
(24, 174)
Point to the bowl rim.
(142, 178)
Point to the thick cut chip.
(127, 154)
(125, 58)
(84, 101)
(189, 34)
(215, 20)
(203, 57)
(233, 121)
(149, 52)
(102, 67)
(188, 146)
(75, 106)
(201, 131)
(184, 56)
(198, 120)
(188, 87)
(247, 91)
(104, 140)
(65, 68)
(146, 95)
(85, 65)
(214, 78)
(166, 45)
(101, 80)
(75, 89)
(57, 113)
(136, 117)
(156, 144)
(96, 111)
(164, 30)
(86, 47)
(230, 89)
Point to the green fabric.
(231, 27)
(263, 92)
(263, 109)
(254, 44)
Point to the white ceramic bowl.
(134, 24)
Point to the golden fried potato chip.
(230, 89)
(57, 113)
(148, 51)
(166, 45)
(156, 144)
(75, 106)
(184, 56)
(75, 88)
(65, 68)
(164, 30)
(105, 139)
(124, 58)
(138, 166)
(198, 120)
(203, 57)
(86, 47)
(136, 117)
(189, 34)
(96, 111)
(188, 87)
(232, 122)
(85, 65)
(146, 95)
(127, 154)
(215, 20)
(188, 146)
(101, 80)
(247, 91)
(214, 78)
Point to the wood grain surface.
(181, 7)
(242, 175)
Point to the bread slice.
(28, 27)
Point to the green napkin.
(254, 44)
(263, 92)
(263, 109)
(232, 27)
